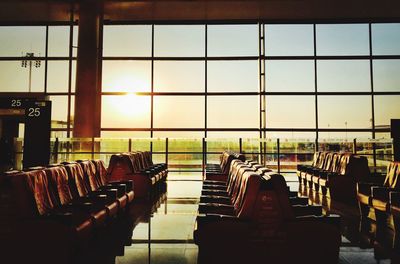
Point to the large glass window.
(16, 41)
(290, 76)
(125, 111)
(342, 39)
(232, 40)
(343, 76)
(58, 41)
(290, 111)
(127, 40)
(232, 76)
(179, 111)
(344, 111)
(179, 76)
(386, 39)
(126, 76)
(179, 40)
(233, 112)
(386, 75)
(386, 108)
(289, 40)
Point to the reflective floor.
(167, 236)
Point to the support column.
(87, 114)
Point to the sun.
(130, 105)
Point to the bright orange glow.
(124, 84)
(130, 105)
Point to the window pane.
(17, 41)
(178, 134)
(57, 76)
(59, 111)
(344, 111)
(343, 135)
(127, 111)
(386, 75)
(179, 111)
(124, 134)
(14, 78)
(289, 40)
(232, 40)
(232, 76)
(290, 76)
(344, 39)
(127, 40)
(386, 39)
(182, 76)
(179, 40)
(233, 112)
(281, 112)
(58, 41)
(343, 76)
(291, 135)
(232, 134)
(126, 76)
(386, 108)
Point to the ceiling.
(39, 11)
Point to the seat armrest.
(214, 208)
(215, 199)
(121, 188)
(395, 198)
(63, 217)
(127, 183)
(216, 228)
(381, 193)
(112, 194)
(365, 188)
(298, 200)
(303, 210)
(332, 219)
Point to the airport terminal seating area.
(346, 178)
(379, 199)
(334, 174)
(251, 218)
(138, 167)
(73, 211)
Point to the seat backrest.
(358, 168)
(328, 161)
(342, 168)
(336, 162)
(321, 160)
(119, 167)
(266, 200)
(148, 159)
(58, 182)
(78, 186)
(392, 175)
(31, 193)
(89, 174)
(101, 171)
(315, 159)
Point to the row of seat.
(382, 196)
(138, 167)
(220, 171)
(65, 207)
(334, 174)
(252, 218)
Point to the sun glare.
(130, 105)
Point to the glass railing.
(189, 155)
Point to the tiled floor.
(167, 237)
